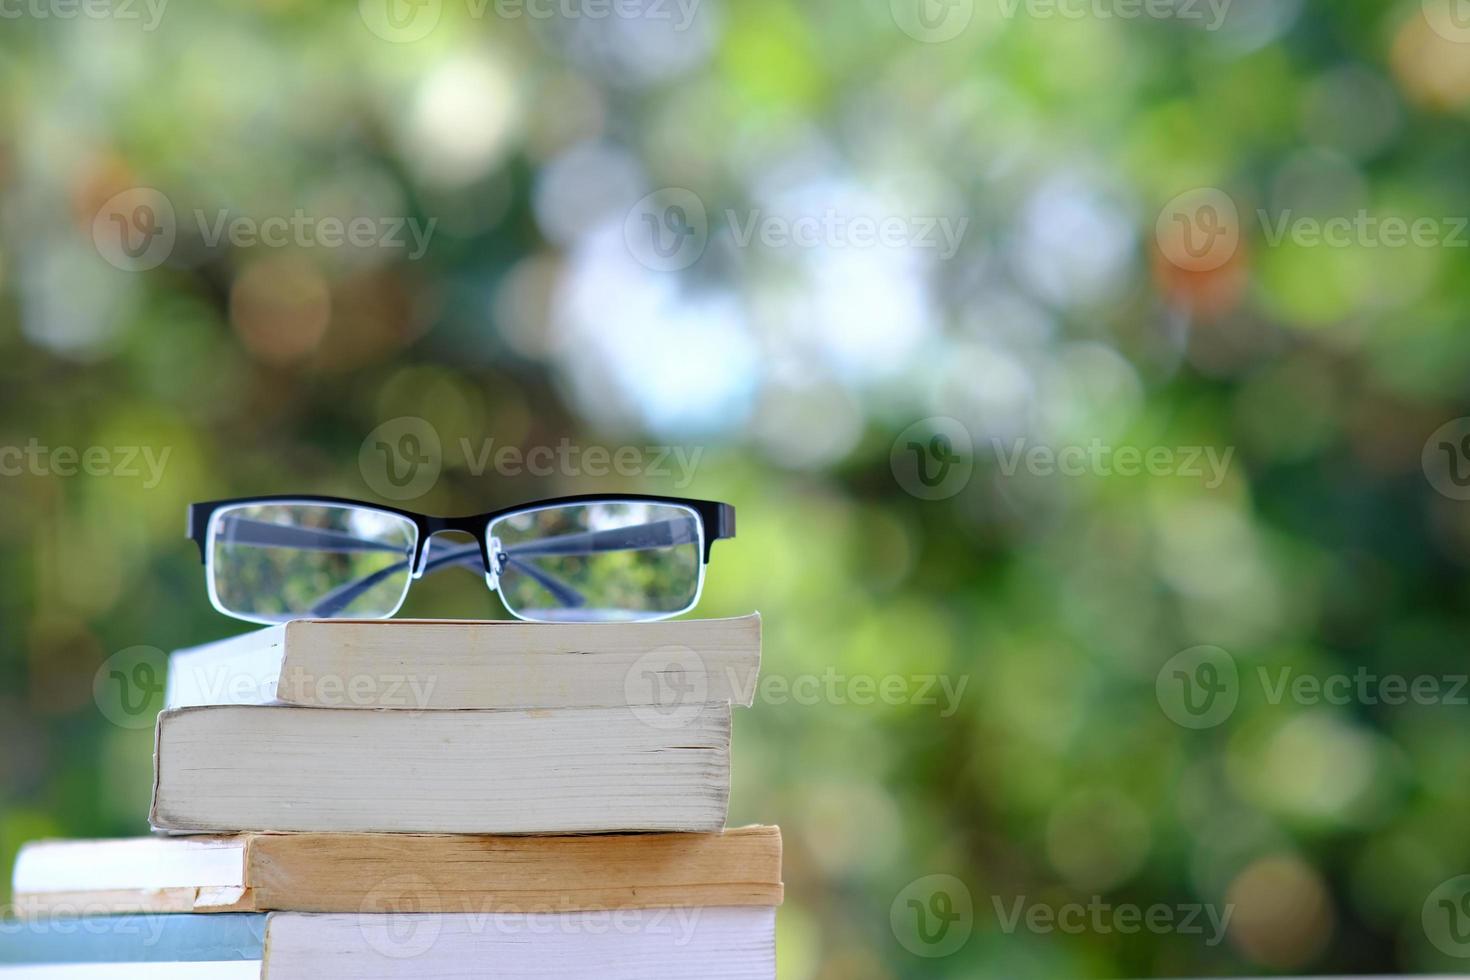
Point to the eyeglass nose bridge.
(428, 533)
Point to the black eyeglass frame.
(716, 519)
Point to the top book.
(458, 664)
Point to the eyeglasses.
(626, 558)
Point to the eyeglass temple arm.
(560, 591)
(264, 534)
(469, 556)
(655, 534)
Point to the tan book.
(452, 664)
(241, 768)
(372, 873)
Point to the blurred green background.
(152, 309)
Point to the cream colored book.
(382, 872)
(450, 664)
(230, 768)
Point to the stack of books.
(393, 798)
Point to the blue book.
(144, 938)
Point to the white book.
(453, 664)
(230, 768)
(628, 944)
